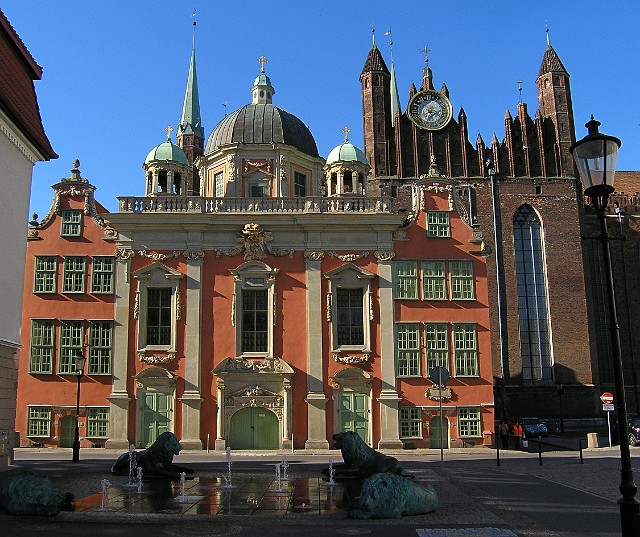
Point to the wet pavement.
(213, 496)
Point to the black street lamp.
(78, 361)
(595, 156)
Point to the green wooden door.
(155, 416)
(436, 426)
(67, 431)
(254, 428)
(354, 414)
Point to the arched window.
(533, 306)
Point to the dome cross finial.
(346, 132)
(262, 61)
(169, 128)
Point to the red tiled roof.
(18, 98)
(627, 182)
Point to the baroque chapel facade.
(257, 296)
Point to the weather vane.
(390, 42)
(519, 82)
(373, 34)
(225, 108)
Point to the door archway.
(67, 431)
(439, 432)
(254, 428)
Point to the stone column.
(154, 183)
(340, 182)
(389, 432)
(316, 399)
(191, 398)
(286, 416)
(170, 185)
(220, 433)
(119, 398)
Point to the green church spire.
(190, 122)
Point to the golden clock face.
(430, 110)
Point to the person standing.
(503, 433)
(517, 433)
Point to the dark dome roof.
(262, 124)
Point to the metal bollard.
(580, 445)
(540, 453)
(497, 455)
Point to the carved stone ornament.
(329, 307)
(283, 167)
(178, 305)
(254, 241)
(433, 393)
(155, 256)
(348, 257)
(231, 163)
(121, 253)
(193, 255)
(384, 255)
(351, 360)
(279, 252)
(170, 357)
(314, 255)
(242, 364)
(399, 235)
(136, 305)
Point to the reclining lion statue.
(360, 460)
(392, 496)
(155, 461)
(28, 493)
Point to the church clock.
(430, 110)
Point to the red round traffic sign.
(606, 398)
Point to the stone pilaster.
(389, 432)
(191, 397)
(119, 398)
(316, 399)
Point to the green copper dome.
(262, 80)
(346, 152)
(168, 152)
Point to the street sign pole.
(441, 423)
(609, 427)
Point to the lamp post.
(78, 361)
(595, 156)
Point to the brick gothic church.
(549, 316)
(260, 296)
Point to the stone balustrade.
(191, 204)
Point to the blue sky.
(115, 72)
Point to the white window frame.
(41, 419)
(405, 279)
(460, 280)
(350, 276)
(467, 421)
(254, 275)
(411, 421)
(45, 275)
(218, 184)
(71, 227)
(157, 275)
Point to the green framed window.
(438, 224)
(461, 274)
(102, 274)
(159, 315)
(218, 184)
(255, 326)
(405, 279)
(349, 310)
(100, 347)
(74, 274)
(408, 349)
(71, 339)
(45, 272)
(468, 422)
(98, 422)
(299, 185)
(436, 342)
(465, 350)
(39, 421)
(410, 422)
(42, 346)
(434, 281)
(71, 223)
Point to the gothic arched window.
(533, 306)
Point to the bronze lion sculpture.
(27, 493)
(392, 496)
(360, 460)
(155, 461)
